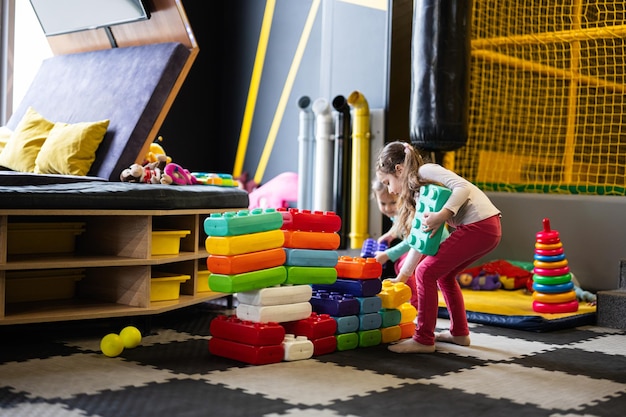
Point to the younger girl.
(477, 231)
(388, 205)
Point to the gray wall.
(591, 229)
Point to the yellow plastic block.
(393, 294)
(166, 286)
(236, 245)
(167, 242)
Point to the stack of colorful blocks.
(357, 285)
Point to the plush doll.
(156, 150)
(134, 173)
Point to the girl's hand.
(381, 257)
(387, 238)
(432, 221)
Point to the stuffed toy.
(134, 173)
(484, 281)
(154, 153)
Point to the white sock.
(447, 337)
(411, 346)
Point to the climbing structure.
(552, 282)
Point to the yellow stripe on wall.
(253, 91)
(284, 97)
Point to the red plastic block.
(311, 240)
(358, 268)
(314, 327)
(324, 345)
(253, 355)
(310, 221)
(246, 262)
(248, 332)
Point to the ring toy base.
(555, 308)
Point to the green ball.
(131, 337)
(111, 345)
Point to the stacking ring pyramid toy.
(552, 282)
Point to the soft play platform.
(514, 309)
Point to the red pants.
(466, 244)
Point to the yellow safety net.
(547, 97)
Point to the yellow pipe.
(359, 182)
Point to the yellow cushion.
(5, 135)
(22, 148)
(70, 149)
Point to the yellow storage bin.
(203, 281)
(167, 242)
(30, 238)
(164, 286)
(40, 285)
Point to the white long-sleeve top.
(467, 203)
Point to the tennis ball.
(131, 337)
(111, 345)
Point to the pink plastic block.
(314, 327)
(253, 355)
(310, 221)
(358, 268)
(248, 332)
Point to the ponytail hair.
(402, 153)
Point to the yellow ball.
(131, 336)
(111, 345)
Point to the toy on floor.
(552, 280)
(484, 281)
(511, 277)
(113, 344)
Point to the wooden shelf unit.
(114, 251)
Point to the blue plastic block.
(370, 321)
(370, 304)
(390, 317)
(357, 287)
(347, 324)
(334, 303)
(311, 257)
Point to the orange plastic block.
(358, 268)
(407, 328)
(310, 221)
(393, 294)
(246, 262)
(236, 245)
(390, 334)
(311, 240)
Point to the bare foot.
(447, 337)
(411, 346)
